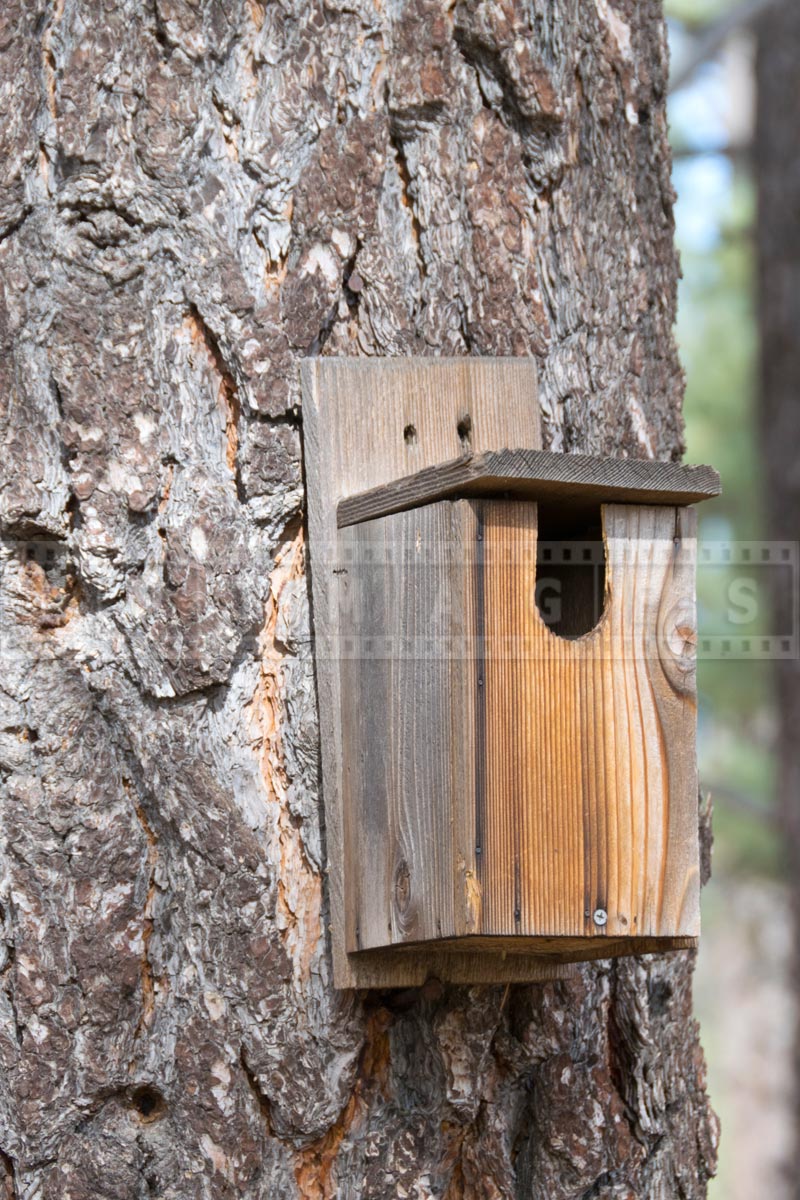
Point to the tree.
(196, 195)
(777, 145)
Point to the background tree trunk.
(196, 193)
(777, 148)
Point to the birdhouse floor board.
(552, 952)
(411, 966)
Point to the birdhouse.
(505, 658)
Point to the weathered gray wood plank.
(537, 475)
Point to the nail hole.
(410, 435)
(464, 428)
(148, 1102)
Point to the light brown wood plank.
(536, 475)
(355, 416)
(592, 783)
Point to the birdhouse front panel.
(518, 730)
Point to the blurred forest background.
(744, 997)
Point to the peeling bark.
(194, 196)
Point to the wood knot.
(677, 642)
(682, 638)
(686, 640)
(402, 887)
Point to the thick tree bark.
(777, 147)
(196, 194)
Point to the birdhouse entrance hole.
(570, 568)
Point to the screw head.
(600, 916)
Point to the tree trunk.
(777, 146)
(196, 195)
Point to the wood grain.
(484, 963)
(511, 783)
(366, 423)
(538, 475)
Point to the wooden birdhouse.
(505, 658)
